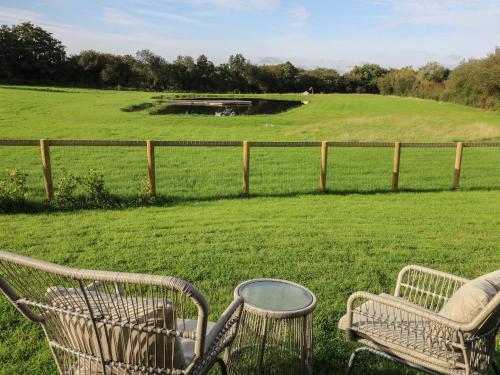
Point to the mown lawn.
(357, 237)
(332, 244)
(27, 112)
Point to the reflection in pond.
(224, 106)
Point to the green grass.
(355, 238)
(332, 244)
(81, 114)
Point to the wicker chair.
(407, 328)
(111, 323)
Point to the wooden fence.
(246, 146)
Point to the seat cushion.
(389, 329)
(355, 321)
(87, 367)
(187, 345)
(119, 341)
(471, 298)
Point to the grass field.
(356, 238)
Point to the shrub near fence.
(201, 169)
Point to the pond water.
(225, 106)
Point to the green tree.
(28, 52)
(205, 74)
(154, 69)
(365, 78)
(184, 73)
(320, 80)
(287, 76)
(476, 82)
(284, 77)
(238, 69)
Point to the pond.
(224, 106)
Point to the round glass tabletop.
(275, 295)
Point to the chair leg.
(386, 356)
(352, 359)
(222, 366)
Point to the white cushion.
(118, 342)
(187, 345)
(471, 298)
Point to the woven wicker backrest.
(107, 322)
(427, 288)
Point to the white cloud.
(12, 15)
(164, 15)
(299, 16)
(473, 15)
(247, 5)
(15, 16)
(117, 17)
(127, 21)
(459, 29)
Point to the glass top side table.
(275, 330)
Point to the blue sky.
(331, 33)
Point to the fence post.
(150, 149)
(47, 169)
(395, 168)
(324, 160)
(246, 168)
(458, 165)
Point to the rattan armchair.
(109, 323)
(407, 328)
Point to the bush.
(64, 195)
(398, 82)
(476, 82)
(13, 191)
(429, 90)
(95, 194)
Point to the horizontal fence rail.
(246, 146)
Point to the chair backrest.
(428, 288)
(99, 322)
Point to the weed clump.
(13, 191)
(92, 185)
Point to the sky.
(328, 33)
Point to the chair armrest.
(227, 321)
(381, 309)
(427, 287)
(220, 336)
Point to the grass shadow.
(38, 89)
(137, 107)
(119, 202)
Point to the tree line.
(29, 54)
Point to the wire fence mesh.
(215, 171)
(198, 172)
(123, 168)
(352, 169)
(26, 159)
(287, 170)
(480, 168)
(424, 169)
